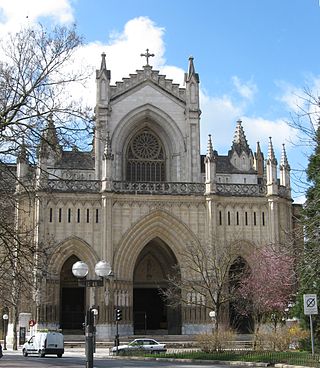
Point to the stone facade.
(141, 196)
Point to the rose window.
(145, 158)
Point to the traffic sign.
(310, 304)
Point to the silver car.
(141, 345)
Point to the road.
(77, 359)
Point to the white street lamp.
(212, 314)
(5, 318)
(102, 268)
(80, 269)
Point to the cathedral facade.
(139, 198)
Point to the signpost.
(310, 305)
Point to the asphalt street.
(76, 358)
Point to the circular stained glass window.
(146, 146)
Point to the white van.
(43, 343)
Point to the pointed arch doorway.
(72, 311)
(151, 315)
(242, 323)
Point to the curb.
(220, 362)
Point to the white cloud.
(15, 14)
(174, 73)
(123, 55)
(123, 49)
(260, 129)
(218, 118)
(295, 98)
(246, 90)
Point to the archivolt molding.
(162, 124)
(67, 248)
(244, 249)
(158, 224)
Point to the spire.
(49, 142)
(284, 160)
(240, 143)
(22, 166)
(210, 168)
(259, 161)
(285, 171)
(103, 68)
(103, 62)
(23, 154)
(209, 148)
(191, 71)
(272, 181)
(258, 148)
(271, 155)
(50, 132)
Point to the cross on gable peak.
(147, 55)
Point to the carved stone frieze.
(251, 190)
(161, 188)
(61, 185)
(158, 188)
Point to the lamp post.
(5, 318)
(80, 270)
(212, 315)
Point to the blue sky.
(254, 57)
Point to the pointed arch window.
(145, 158)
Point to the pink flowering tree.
(268, 286)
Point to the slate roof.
(224, 166)
(76, 160)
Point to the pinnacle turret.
(271, 155)
(284, 160)
(103, 62)
(103, 68)
(240, 142)
(272, 181)
(49, 143)
(285, 170)
(210, 168)
(259, 161)
(209, 148)
(23, 153)
(191, 71)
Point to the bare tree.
(37, 74)
(203, 279)
(307, 122)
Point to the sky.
(255, 58)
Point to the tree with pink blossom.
(267, 287)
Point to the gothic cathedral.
(140, 197)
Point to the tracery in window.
(145, 158)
